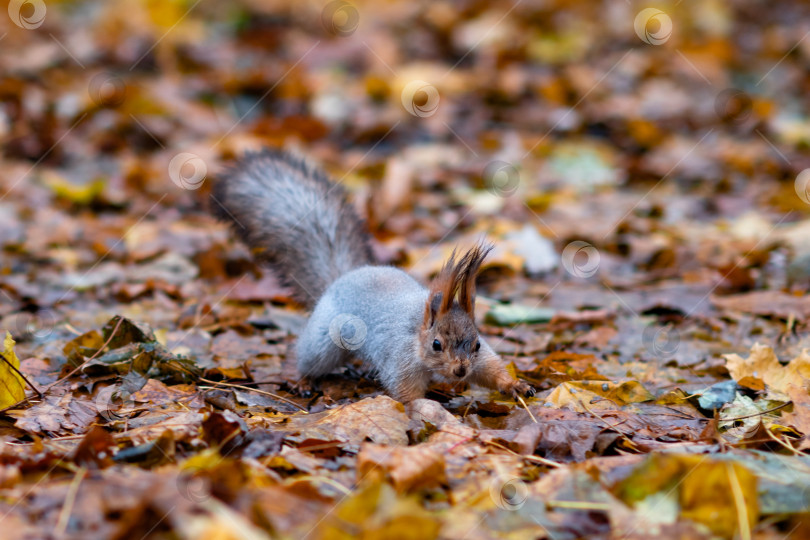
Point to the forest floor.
(644, 174)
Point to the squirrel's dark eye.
(477, 346)
(437, 345)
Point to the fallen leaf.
(410, 467)
(96, 448)
(380, 419)
(762, 369)
(56, 415)
(12, 385)
(768, 303)
(583, 395)
(378, 512)
(716, 493)
(800, 417)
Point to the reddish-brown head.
(449, 336)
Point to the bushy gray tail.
(295, 220)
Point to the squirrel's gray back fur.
(372, 313)
(296, 220)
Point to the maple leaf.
(762, 369)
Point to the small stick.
(69, 327)
(782, 406)
(739, 502)
(22, 375)
(249, 389)
(462, 441)
(608, 424)
(783, 443)
(522, 402)
(538, 459)
(316, 447)
(70, 500)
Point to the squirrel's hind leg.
(317, 356)
(317, 352)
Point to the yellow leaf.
(166, 14)
(12, 385)
(583, 395)
(720, 494)
(76, 193)
(376, 512)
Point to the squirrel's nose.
(460, 371)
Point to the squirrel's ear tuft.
(445, 285)
(432, 308)
(469, 265)
(456, 278)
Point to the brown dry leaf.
(57, 415)
(429, 420)
(151, 425)
(380, 419)
(180, 396)
(770, 303)
(96, 448)
(800, 417)
(762, 370)
(267, 289)
(560, 435)
(410, 468)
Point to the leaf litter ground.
(644, 176)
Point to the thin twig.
(783, 443)
(70, 500)
(69, 327)
(739, 502)
(22, 375)
(249, 389)
(538, 459)
(459, 443)
(523, 402)
(782, 406)
(608, 424)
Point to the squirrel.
(300, 224)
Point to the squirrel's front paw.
(305, 387)
(520, 388)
